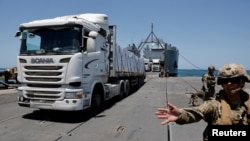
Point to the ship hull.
(168, 60)
(171, 62)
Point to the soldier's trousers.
(209, 94)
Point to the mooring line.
(189, 84)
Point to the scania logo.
(42, 60)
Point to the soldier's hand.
(170, 114)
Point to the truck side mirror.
(91, 45)
(18, 34)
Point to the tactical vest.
(226, 111)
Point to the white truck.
(73, 62)
(156, 65)
(147, 65)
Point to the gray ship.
(155, 49)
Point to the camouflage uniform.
(208, 80)
(219, 111)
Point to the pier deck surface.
(131, 119)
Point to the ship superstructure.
(155, 48)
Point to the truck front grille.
(43, 94)
(43, 74)
(44, 82)
(43, 67)
(43, 79)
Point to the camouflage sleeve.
(204, 78)
(206, 111)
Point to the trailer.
(73, 62)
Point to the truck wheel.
(127, 88)
(122, 92)
(96, 100)
(140, 82)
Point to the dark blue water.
(182, 72)
(196, 73)
(190, 72)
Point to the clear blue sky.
(206, 32)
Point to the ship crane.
(151, 38)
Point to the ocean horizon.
(183, 72)
(196, 73)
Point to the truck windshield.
(48, 41)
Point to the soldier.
(208, 81)
(231, 106)
(6, 75)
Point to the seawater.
(196, 73)
(182, 72)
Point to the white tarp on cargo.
(127, 63)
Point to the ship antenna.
(152, 32)
(152, 26)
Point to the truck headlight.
(73, 95)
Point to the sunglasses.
(235, 80)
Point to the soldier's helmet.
(232, 71)
(211, 68)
